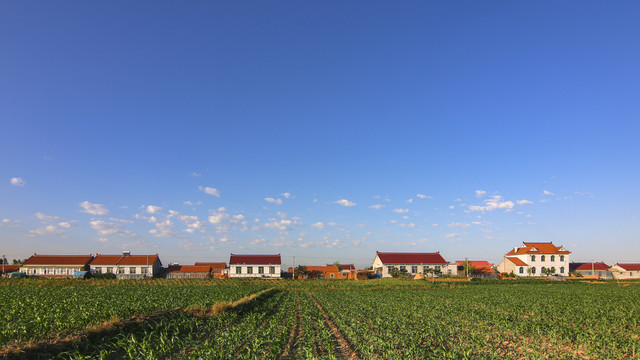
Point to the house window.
(424, 269)
(561, 257)
(272, 270)
(390, 268)
(109, 270)
(437, 267)
(562, 270)
(521, 270)
(260, 269)
(99, 270)
(414, 269)
(120, 270)
(402, 267)
(533, 270)
(238, 269)
(132, 270)
(542, 258)
(542, 270)
(143, 270)
(553, 258)
(533, 258)
(332, 275)
(249, 269)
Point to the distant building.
(255, 266)
(329, 271)
(535, 258)
(480, 269)
(625, 271)
(127, 266)
(55, 266)
(597, 270)
(219, 270)
(412, 263)
(8, 268)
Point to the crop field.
(318, 319)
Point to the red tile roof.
(477, 264)
(9, 268)
(215, 266)
(517, 261)
(236, 259)
(189, 268)
(410, 258)
(138, 260)
(327, 268)
(37, 259)
(346, 267)
(105, 260)
(538, 248)
(630, 267)
(588, 266)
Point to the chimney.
(126, 253)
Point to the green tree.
(337, 264)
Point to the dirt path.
(291, 349)
(343, 350)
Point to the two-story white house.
(255, 266)
(536, 259)
(413, 263)
(127, 266)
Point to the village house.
(219, 270)
(55, 266)
(411, 263)
(594, 270)
(200, 270)
(536, 259)
(127, 266)
(476, 268)
(625, 271)
(256, 266)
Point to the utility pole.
(593, 271)
(294, 268)
(4, 260)
(467, 260)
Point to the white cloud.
(480, 193)
(452, 207)
(210, 191)
(152, 209)
(345, 202)
(318, 225)
(400, 211)
(548, 193)
(17, 181)
(218, 216)
(377, 207)
(64, 224)
(495, 202)
(283, 224)
(409, 201)
(191, 203)
(452, 235)
(286, 195)
(422, 196)
(524, 202)
(460, 225)
(43, 217)
(163, 229)
(6, 220)
(104, 229)
(93, 209)
(196, 174)
(47, 230)
(273, 201)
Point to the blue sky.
(324, 130)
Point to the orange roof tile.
(215, 266)
(538, 248)
(37, 259)
(517, 261)
(630, 267)
(105, 260)
(410, 258)
(138, 260)
(474, 263)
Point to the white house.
(413, 263)
(127, 266)
(625, 271)
(255, 266)
(598, 270)
(55, 266)
(535, 258)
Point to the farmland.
(377, 319)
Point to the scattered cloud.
(400, 211)
(196, 174)
(43, 217)
(495, 202)
(163, 229)
(47, 230)
(460, 225)
(210, 191)
(104, 229)
(345, 202)
(286, 195)
(422, 196)
(191, 203)
(273, 201)
(480, 193)
(548, 193)
(409, 201)
(524, 202)
(318, 225)
(64, 224)
(17, 181)
(93, 209)
(152, 209)
(377, 206)
(452, 235)
(282, 224)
